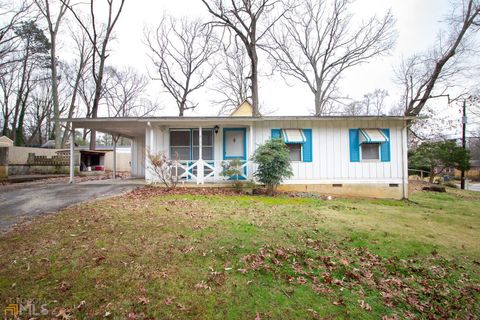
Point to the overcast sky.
(417, 24)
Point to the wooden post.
(200, 167)
(249, 176)
(72, 152)
(115, 138)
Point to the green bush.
(273, 164)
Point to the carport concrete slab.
(19, 204)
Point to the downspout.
(404, 142)
(148, 150)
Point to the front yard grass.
(193, 255)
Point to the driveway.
(473, 186)
(25, 202)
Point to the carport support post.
(200, 166)
(115, 138)
(72, 151)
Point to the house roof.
(135, 126)
(475, 163)
(244, 109)
(5, 141)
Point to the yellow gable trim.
(243, 110)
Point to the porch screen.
(180, 144)
(207, 144)
(184, 144)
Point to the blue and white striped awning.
(372, 136)
(293, 136)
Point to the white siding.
(138, 157)
(330, 147)
(331, 152)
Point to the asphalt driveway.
(21, 203)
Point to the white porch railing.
(201, 171)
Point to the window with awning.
(369, 145)
(298, 141)
(372, 136)
(293, 136)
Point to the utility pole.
(464, 142)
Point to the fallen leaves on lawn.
(168, 300)
(63, 286)
(364, 305)
(181, 307)
(203, 285)
(143, 300)
(63, 314)
(428, 286)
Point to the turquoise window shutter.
(354, 145)
(276, 134)
(385, 147)
(307, 146)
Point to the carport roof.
(135, 126)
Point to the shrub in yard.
(164, 168)
(232, 169)
(439, 155)
(273, 164)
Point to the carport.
(131, 128)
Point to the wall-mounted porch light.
(216, 128)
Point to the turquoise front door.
(235, 146)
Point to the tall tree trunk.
(71, 109)
(432, 175)
(20, 93)
(318, 103)
(19, 136)
(56, 103)
(255, 98)
(98, 92)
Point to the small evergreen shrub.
(273, 164)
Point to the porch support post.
(115, 138)
(250, 153)
(72, 152)
(200, 166)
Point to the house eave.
(237, 119)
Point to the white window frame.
(371, 160)
(301, 151)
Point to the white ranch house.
(340, 155)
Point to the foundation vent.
(337, 185)
(393, 185)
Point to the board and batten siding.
(138, 157)
(331, 152)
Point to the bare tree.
(315, 44)
(53, 23)
(39, 112)
(125, 91)
(11, 15)
(421, 74)
(75, 74)
(8, 86)
(180, 51)
(99, 37)
(354, 108)
(232, 82)
(34, 50)
(249, 21)
(374, 102)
